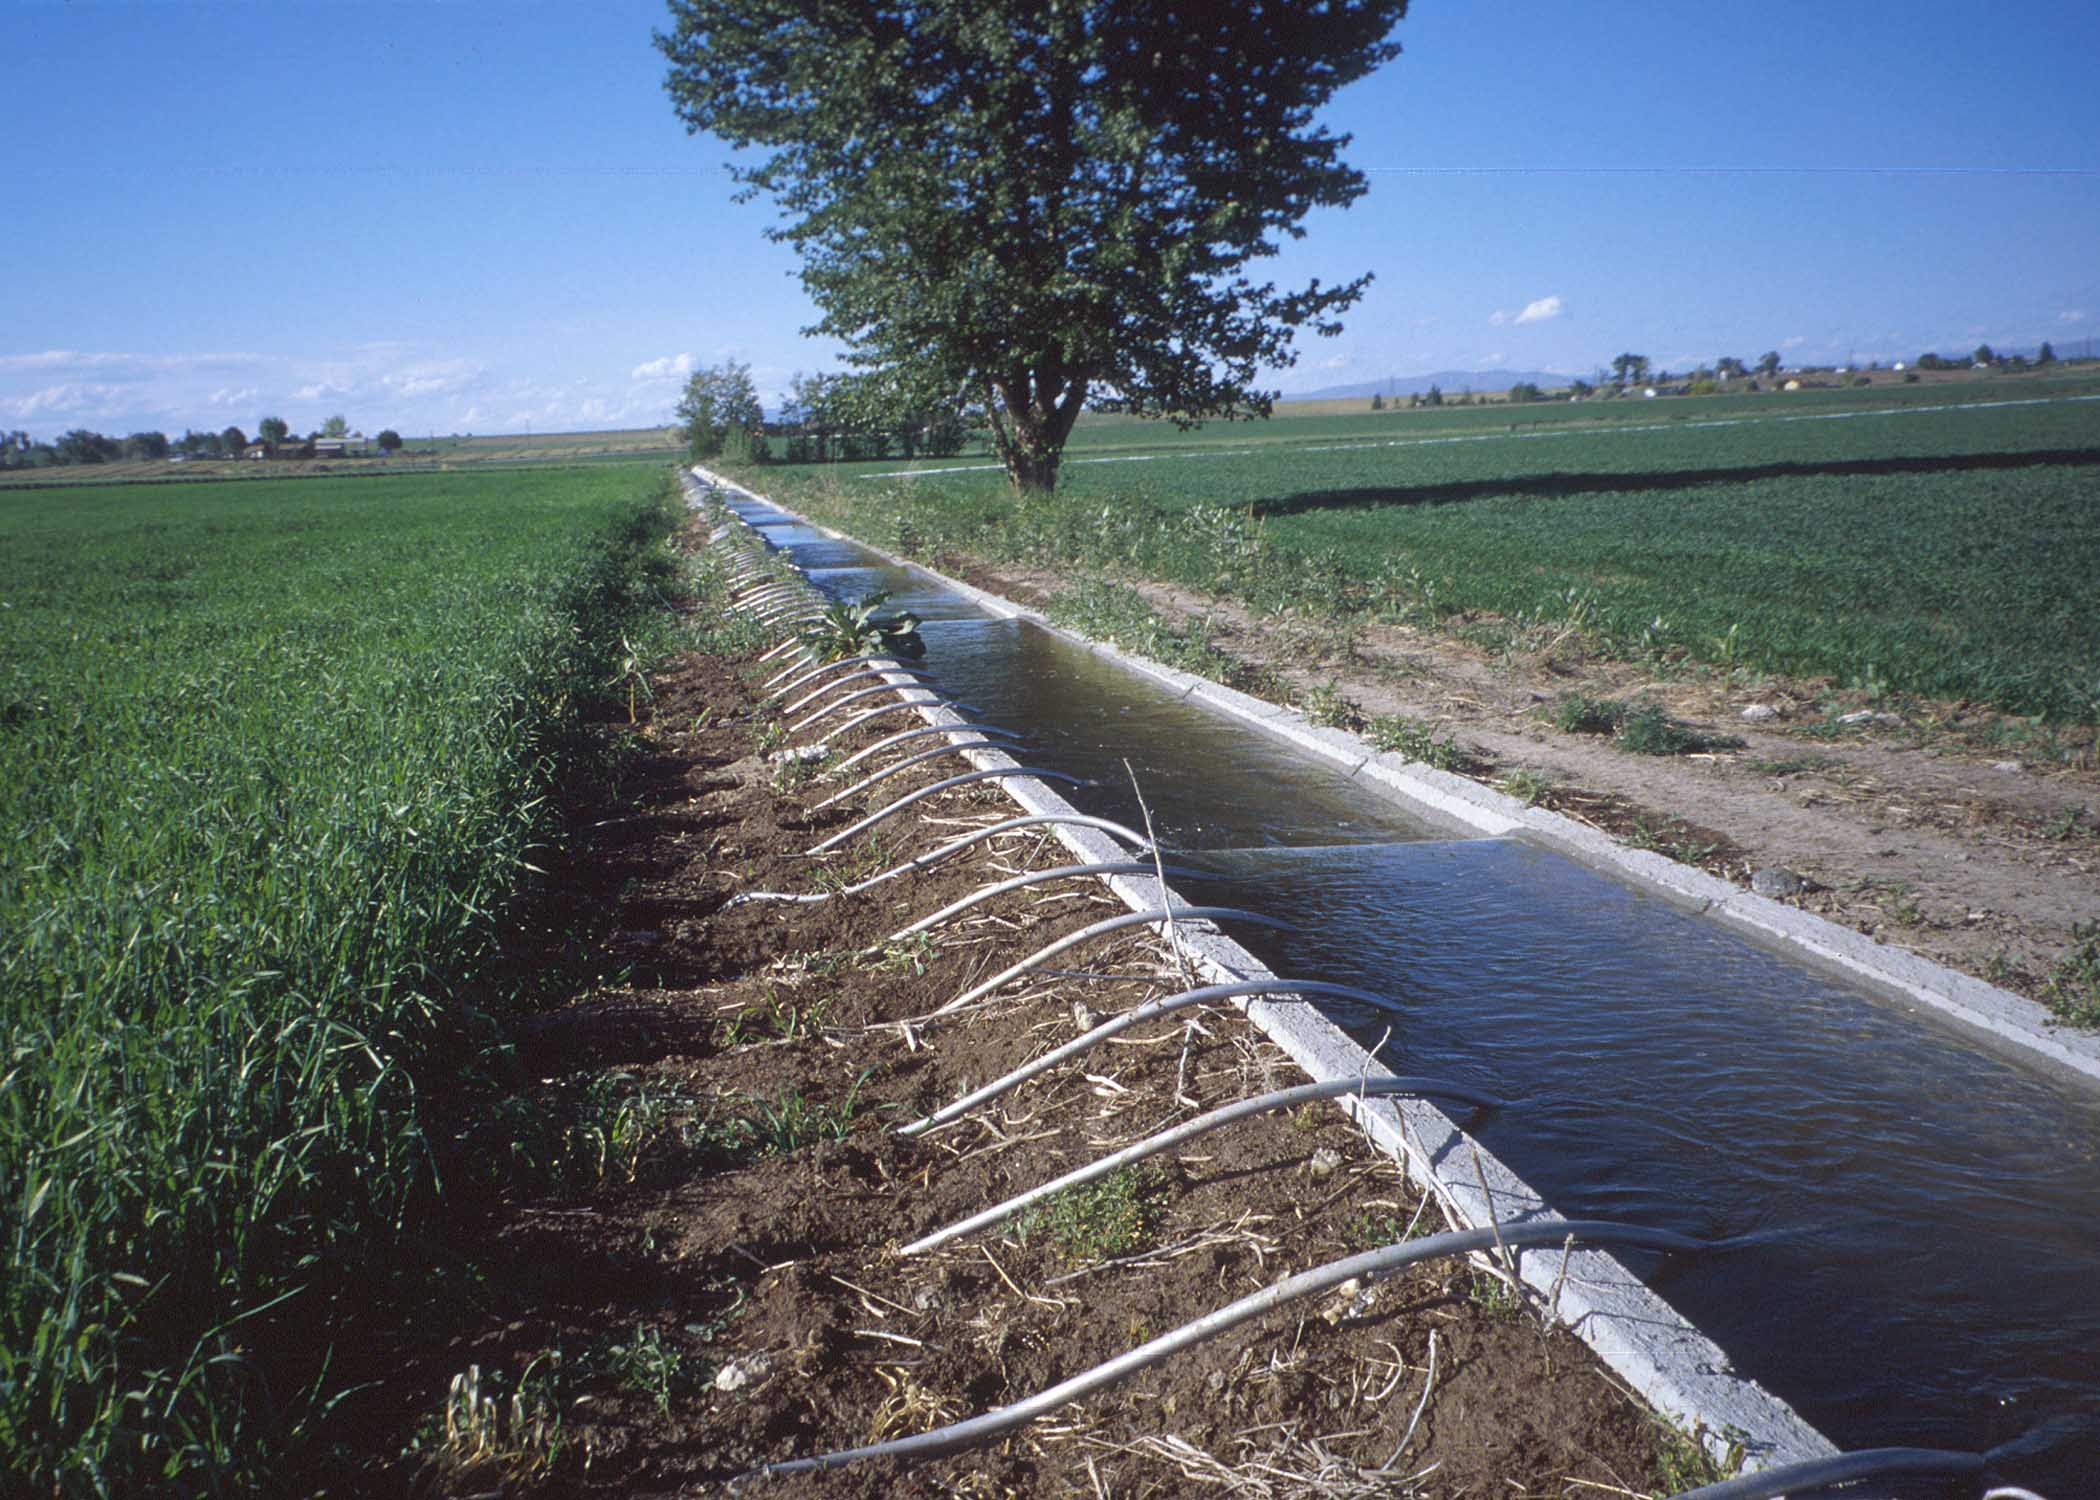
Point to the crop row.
(1958, 583)
(276, 758)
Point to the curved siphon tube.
(1034, 877)
(1137, 1015)
(781, 689)
(905, 765)
(810, 697)
(854, 697)
(889, 708)
(912, 734)
(1165, 1140)
(1863, 1463)
(939, 786)
(793, 640)
(933, 856)
(1390, 1258)
(1155, 916)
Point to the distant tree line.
(84, 446)
(826, 418)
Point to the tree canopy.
(719, 409)
(1042, 206)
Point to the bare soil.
(1945, 828)
(729, 1292)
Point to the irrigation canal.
(1932, 1272)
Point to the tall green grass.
(274, 759)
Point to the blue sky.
(485, 217)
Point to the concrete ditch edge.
(1673, 1366)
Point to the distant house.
(256, 450)
(341, 447)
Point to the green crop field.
(1945, 544)
(275, 758)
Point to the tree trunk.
(1032, 414)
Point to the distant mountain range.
(1450, 382)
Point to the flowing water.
(1928, 1263)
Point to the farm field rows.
(1951, 553)
(276, 757)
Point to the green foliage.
(1683, 1463)
(1037, 206)
(1114, 613)
(2072, 990)
(643, 1364)
(859, 628)
(1647, 730)
(1578, 713)
(791, 1120)
(1642, 728)
(389, 440)
(1417, 741)
(1327, 705)
(778, 1017)
(1527, 786)
(1099, 1220)
(719, 408)
(278, 757)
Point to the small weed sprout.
(1525, 785)
(1327, 706)
(644, 1365)
(790, 1120)
(1417, 741)
(1100, 1220)
(1682, 1461)
(2072, 990)
(915, 953)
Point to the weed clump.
(1099, 1220)
(1418, 742)
(1641, 728)
(2073, 987)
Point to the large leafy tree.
(1041, 205)
(719, 409)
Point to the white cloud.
(2071, 315)
(228, 395)
(419, 381)
(1540, 311)
(1338, 362)
(1497, 358)
(1498, 318)
(69, 399)
(670, 367)
(118, 365)
(320, 391)
(1792, 343)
